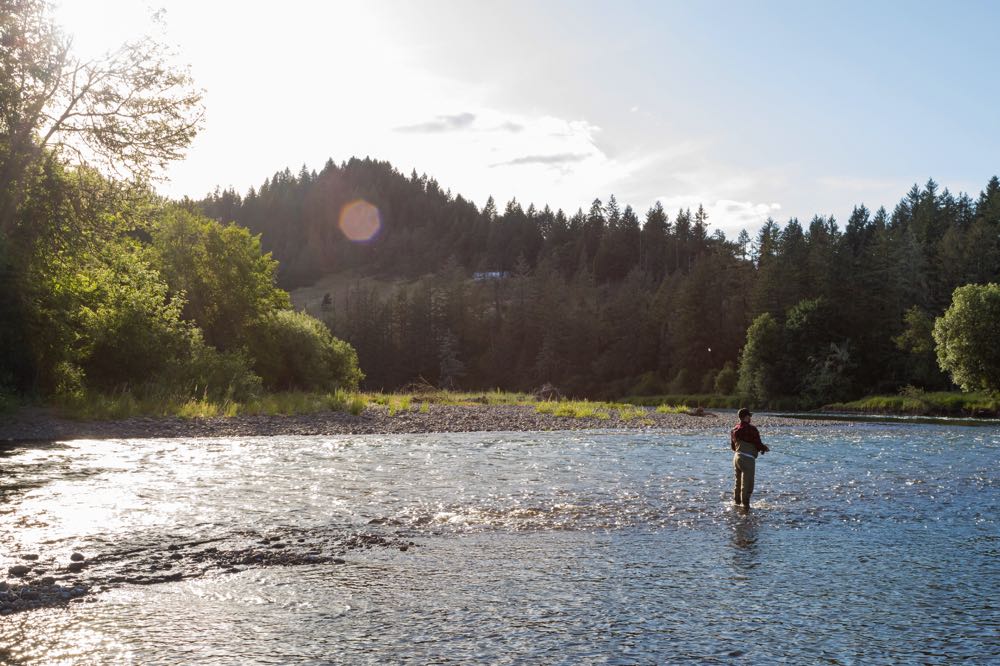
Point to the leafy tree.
(129, 111)
(917, 341)
(759, 377)
(725, 381)
(966, 337)
(129, 328)
(227, 281)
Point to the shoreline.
(43, 424)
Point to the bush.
(681, 383)
(213, 375)
(227, 280)
(707, 384)
(725, 381)
(648, 384)
(294, 351)
(129, 331)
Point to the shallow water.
(867, 544)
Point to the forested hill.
(611, 301)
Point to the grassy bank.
(916, 403)
(92, 407)
(125, 405)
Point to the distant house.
(490, 275)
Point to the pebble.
(30, 557)
(18, 570)
(77, 557)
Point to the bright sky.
(752, 108)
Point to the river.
(868, 543)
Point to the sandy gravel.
(42, 424)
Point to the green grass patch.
(629, 412)
(580, 409)
(917, 403)
(96, 406)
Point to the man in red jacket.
(745, 442)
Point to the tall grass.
(577, 409)
(915, 402)
(97, 406)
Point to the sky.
(753, 109)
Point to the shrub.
(294, 351)
(725, 381)
(128, 331)
(681, 383)
(648, 384)
(214, 375)
(227, 280)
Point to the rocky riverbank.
(34, 424)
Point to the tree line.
(108, 287)
(608, 302)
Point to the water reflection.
(529, 547)
(743, 541)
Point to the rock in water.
(77, 557)
(18, 570)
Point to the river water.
(867, 544)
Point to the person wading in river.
(744, 439)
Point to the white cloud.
(536, 159)
(726, 214)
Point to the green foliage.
(228, 283)
(106, 322)
(966, 337)
(648, 384)
(125, 315)
(725, 381)
(917, 342)
(129, 111)
(916, 402)
(681, 382)
(759, 362)
(293, 350)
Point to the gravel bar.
(39, 424)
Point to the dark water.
(868, 544)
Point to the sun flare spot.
(360, 221)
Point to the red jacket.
(746, 433)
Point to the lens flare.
(360, 221)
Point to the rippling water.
(867, 544)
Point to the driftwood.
(547, 392)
